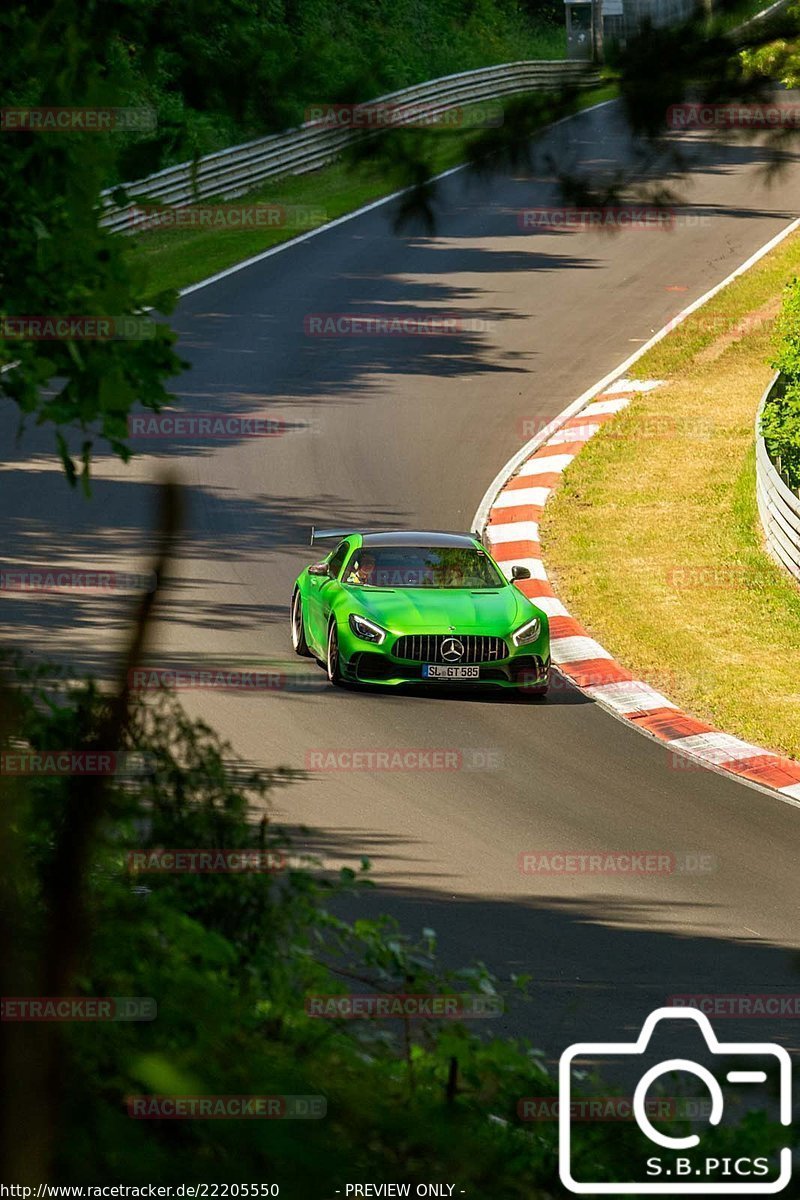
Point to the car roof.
(419, 538)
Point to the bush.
(219, 73)
(780, 420)
(229, 959)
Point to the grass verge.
(654, 540)
(179, 257)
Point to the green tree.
(56, 260)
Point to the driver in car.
(363, 571)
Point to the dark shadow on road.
(599, 964)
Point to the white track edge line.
(360, 212)
(512, 466)
(481, 517)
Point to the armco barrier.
(778, 506)
(753, 24)
(239, 169)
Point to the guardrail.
(239, 169)
(778, 506)
(751, 24)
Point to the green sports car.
(418, 608)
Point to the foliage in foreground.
(229, 960)
(779, 57)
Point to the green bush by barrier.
(780, 420)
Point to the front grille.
(427, 647)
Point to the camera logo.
(675, 1171)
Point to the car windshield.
(422, 567)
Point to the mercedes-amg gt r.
(418, 608)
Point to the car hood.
(424, 610)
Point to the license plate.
(436, 671)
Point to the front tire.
(332, 660)
(299, 626)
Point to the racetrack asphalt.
(409, 431)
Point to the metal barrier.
(239, 169)
(778, 506)
(751, 25)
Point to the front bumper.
(520, 671)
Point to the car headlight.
(367, 630)
(527, 633)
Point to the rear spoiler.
(318, 535)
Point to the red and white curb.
(512, 532)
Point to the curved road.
(409, 431)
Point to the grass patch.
(654, 539)
(180, 257)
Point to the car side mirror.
(520, 573)
(320, 568)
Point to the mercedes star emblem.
(452, 649)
